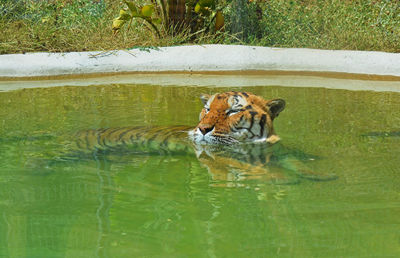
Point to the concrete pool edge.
(203, 59)
(208, 80)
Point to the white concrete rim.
(205, 65)
(200, 58)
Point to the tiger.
(235, 133)
(227, 118)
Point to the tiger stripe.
(235, 117)
(141, 138)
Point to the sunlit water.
(171, 206)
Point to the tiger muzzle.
(204, 129)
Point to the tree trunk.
(176, 14)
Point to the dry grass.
(85, 25)
(336, 24)
(53, 32)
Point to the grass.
(61, 26)
(85, 25)
(334, 24)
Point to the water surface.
(171, 206)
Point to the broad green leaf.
(197, 8)
(117, 24)
(124, 15)
(219, 21)
(147, 10)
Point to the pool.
(171, 206)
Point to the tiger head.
(236, 117)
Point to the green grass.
(334, 24)
(85, 25)
(61, 26)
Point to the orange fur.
(242, 115)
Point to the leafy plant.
(128, 14)
(172, 16)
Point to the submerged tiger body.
(162, 139)
(235, 134)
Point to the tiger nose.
(205, 128)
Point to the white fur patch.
(237, 102)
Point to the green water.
(171, 206)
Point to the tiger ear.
(275, 106)
(204, 98)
